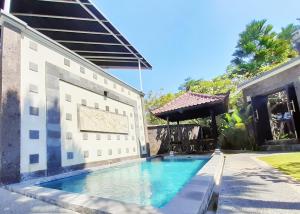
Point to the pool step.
(281, 147)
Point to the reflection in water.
(146, 183)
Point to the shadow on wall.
(159, 139)
(10, 127)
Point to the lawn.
(287, 163)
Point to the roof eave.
(292, 63)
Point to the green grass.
(286, 163)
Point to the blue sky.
(193, 38)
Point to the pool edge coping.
(195, 196)
(90, 204)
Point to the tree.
(219, 85)
(188, 84)
(259, 49)
(156, 100)
(287, 32)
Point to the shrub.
(235, 138)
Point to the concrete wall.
(43, 73)
(158, 137)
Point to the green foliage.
(287, 32)
(260, 49)
(154, 101)
(219, 85)
(233, 130)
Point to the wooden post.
(169, 134)
(214, 127)
(178, 132)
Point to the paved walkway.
(14, 203)
(250, 186)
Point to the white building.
(59, 109)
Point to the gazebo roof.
(193, 105)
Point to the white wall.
(107, 140)
(45, 54)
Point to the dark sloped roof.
(81, 27)
(188, 100)
(281, 68)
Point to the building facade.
(59, 111)
(275, 100)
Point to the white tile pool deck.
(14, 203)
(193, 198)
(251, 186)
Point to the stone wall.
(275, 83)
(158, 137)
(10, 115)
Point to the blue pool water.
(153, 182)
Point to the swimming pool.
(153, 182)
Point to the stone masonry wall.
(158, 137)
(10, 117)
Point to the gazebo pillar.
(214, 127)
(169, 134)
(178, 132)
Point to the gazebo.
(192, 106)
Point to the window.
(34, 158)
(99, 152)
(127, 150)
(119, 151)
(118, 137)
(69, 136)
(33, 67)
(115, 85)
(110, 152)
(85, 136)
(98, 137)
(105, 81)
(131, 126)
(108, 137)
(82, 70)
(53, 134)
(95, 76)
(83, 102)
(34, 111)
(68, 98)
(68, 116)
(33, 88)
(124, 113)
(86, 154)
(106, 108)
(70, 155)
(33, 46)
(126, 137)
(96, 105)
(34, 134)
(116, 111)
(105, 95)
(66, 62)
